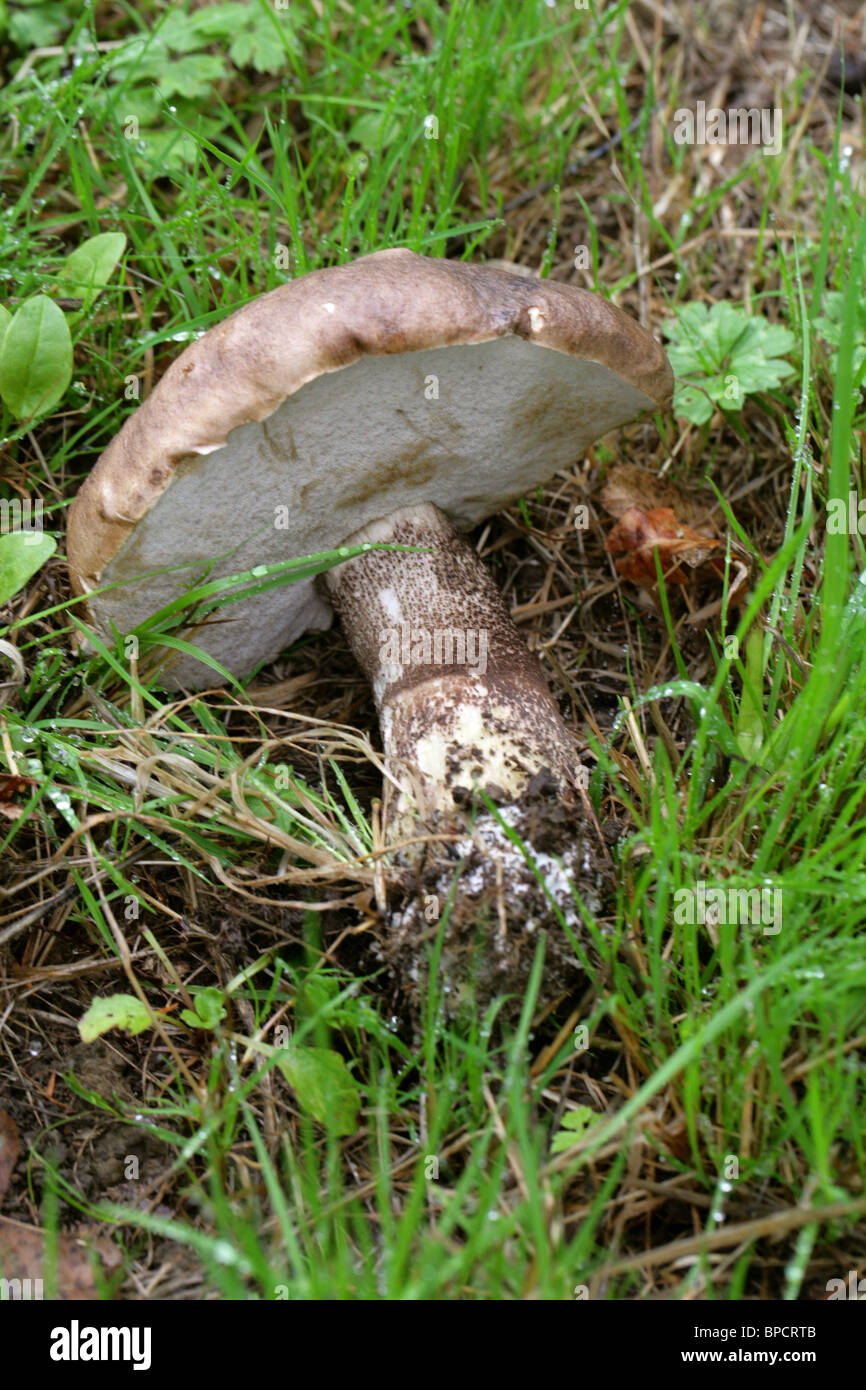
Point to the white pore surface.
(469, 428)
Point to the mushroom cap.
(330, 402)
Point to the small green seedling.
(575, 1124)
(209, 1008)
(322, 1082)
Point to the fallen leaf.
(629, 485)
(11, 784)
(638, 534)
(22, 1248)
(123, 1011)
(655, 514)
(8, 1150)
(22, 1256)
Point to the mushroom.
(463, 705)
(395, 400)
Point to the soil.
(492, 907)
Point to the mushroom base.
(475, 906)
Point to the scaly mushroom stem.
(463, 704)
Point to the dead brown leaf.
(22, 1256)
(638, 534)
(655, 514)
(22, 1248)
(11, 785)
(629, 485)
(8, 1150)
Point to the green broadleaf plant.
(38, 23)
(721, 355)
(323, 1084)
(87, 270)
(209, 1008)
(36, 358)
(319, 1076)
(122, 1011)
(253, 35)
(22, 553)
(35, 342)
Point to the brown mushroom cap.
(332, 401)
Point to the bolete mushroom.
(395, 399)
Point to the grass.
(230, 839)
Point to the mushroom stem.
(460, 699)
(463, 704)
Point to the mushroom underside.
(468, 427)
